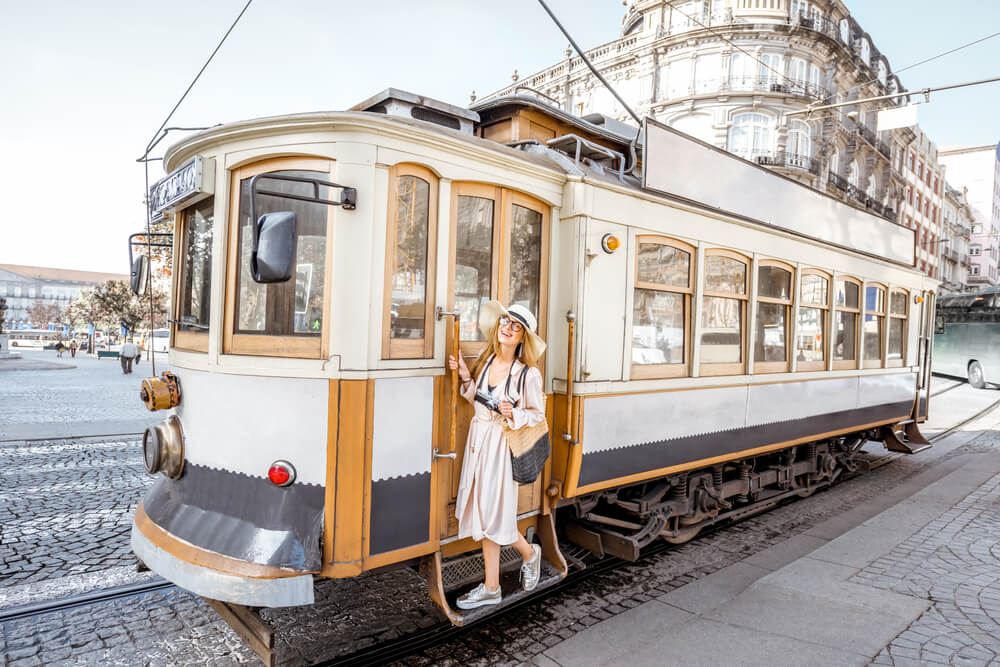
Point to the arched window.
(723, 313)
(899, 304)
(799, 141)
(750, 135)
(661, 307)
(835, 162)
(408, 319)
(852, 173)
(774, 303)
(847, 302)
(874, 325)
(814, 306)
(845, 31)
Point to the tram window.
(525, 257)
(195, 280)
(774, 301)
(898, 305)
(473, 262)
(845, 334)
(874, 325)
(410, 243)
(289, 318)
(661, 308)
(723, 313)
(814, 302)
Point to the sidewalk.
(915, 580)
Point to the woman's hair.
(523, 353)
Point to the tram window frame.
(504, 200)
(852, 362)
(190, 339)
(904, 319)
(775, 366)
(824, 308)
(410, 348)
(666, 370)
(880, 319)
(711, 368)
(267, 345)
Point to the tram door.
(499, 250)
(925, 349)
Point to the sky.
(85, 85)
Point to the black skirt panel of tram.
(244, 517)
(400, 512)
(631, 460)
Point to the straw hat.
(491, 312)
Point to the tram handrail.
(456, 351)
(568, 430)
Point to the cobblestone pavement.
(96, 390)
(954, 562)
(176, 628)
(66, 507)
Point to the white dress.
(487, 493)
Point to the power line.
(922, 91)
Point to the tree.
(85, 310)
(118, 305)
(42, 314)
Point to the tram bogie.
(711, 363)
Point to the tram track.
(84, 599)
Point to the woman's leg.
(524, 548)
(491, 561)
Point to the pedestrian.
(127, 355)
(486, 506)
(138, 350)
(60, 348)
(73, 346)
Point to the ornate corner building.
(728, 72)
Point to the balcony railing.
(763, 84)
(838, 181)
(819, 24)
(786, 160)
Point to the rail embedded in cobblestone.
(72, 602)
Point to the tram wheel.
(976, 376)
(683, 536)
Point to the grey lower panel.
(615, 463)
(283, 592)
(400, 512)
(244, 517)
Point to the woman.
(486, 507)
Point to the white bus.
(37, 338)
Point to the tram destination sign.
(677, 164)
(189, 183)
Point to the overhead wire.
(149, 147)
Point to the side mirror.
(139, 279)
(273, 257)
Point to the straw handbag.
(529, 445)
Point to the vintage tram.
(720, 337)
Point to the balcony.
(819, 24)
(763, 84)
(838, 181)
(786, 160)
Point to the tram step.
(462, 571)
(910, 445)
(510, 584)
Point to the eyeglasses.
(511, 324)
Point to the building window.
(917, 207)
(912, 158)
(974, 270)
(742, 70)
(771, 70)
(874, 325)
(909, 195)
(847, 303)
(707, 69)
(195, 280)
(810, 337)
(774, 305)
(280, 319)
(408, 320)
(799, 141)
(661, 307)
(750, 135)
(723, 313)
(680, 78)
(975, 250)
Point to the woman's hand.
(463, 371)
(507, 409)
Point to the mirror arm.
(132, 242)
(348, 196)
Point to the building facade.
(921, 207)
(729, 71)
(23, 286)
(956, 228)
(978, 170)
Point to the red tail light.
(281, 473)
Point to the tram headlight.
(163, 448)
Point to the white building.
(978, 170)
(729, 71)
(956, 228)
(23, 286)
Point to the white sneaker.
(479, 596)
(531, 569)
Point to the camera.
(487, 400)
